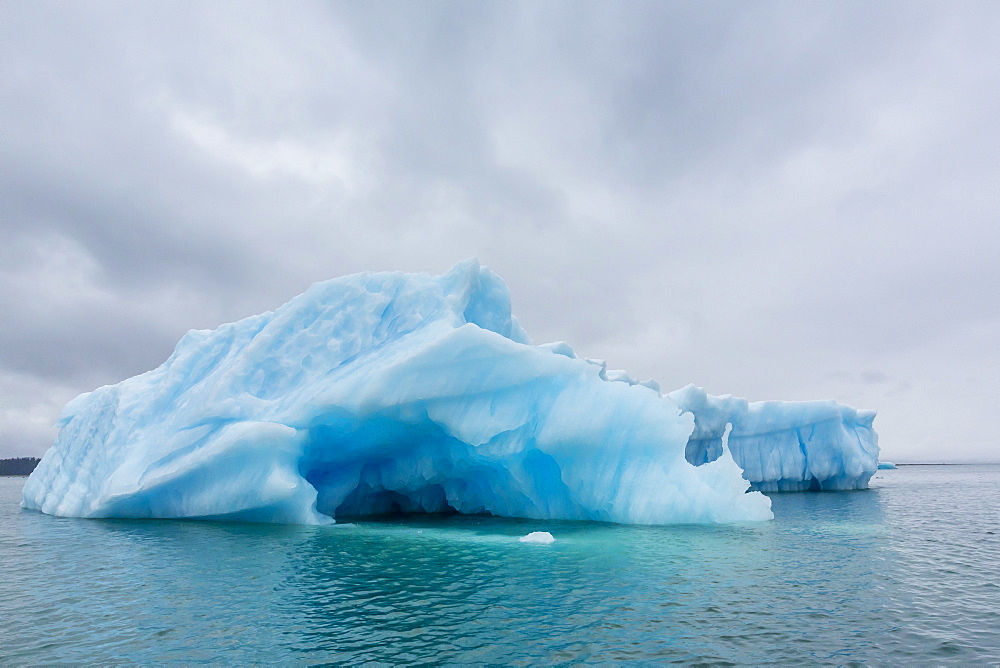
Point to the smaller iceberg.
(886, 466)
(538, 538)
(783, 446)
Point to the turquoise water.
(905, 572)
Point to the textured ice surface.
(784, 446)
(383, 393)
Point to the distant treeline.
(18, 465)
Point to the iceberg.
(379, 393)
(391, 392)
(783, 446)
(538, 538)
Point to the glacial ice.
(391, 392)
(784, 446)
(538, 538)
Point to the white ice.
(538, 538)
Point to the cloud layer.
(775, 200)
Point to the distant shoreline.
(18, 466)
(947, 463)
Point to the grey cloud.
(753, 197)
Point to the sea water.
(908, 571)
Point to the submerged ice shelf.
(388, 392)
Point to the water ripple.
(906, 572)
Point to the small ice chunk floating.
(538, 538)
(393, 392)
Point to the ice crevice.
(392, 392)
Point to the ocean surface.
(906, 572)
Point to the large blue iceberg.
(392, 392)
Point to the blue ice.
(391, 392)
(784, 446)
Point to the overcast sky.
(774, 200)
